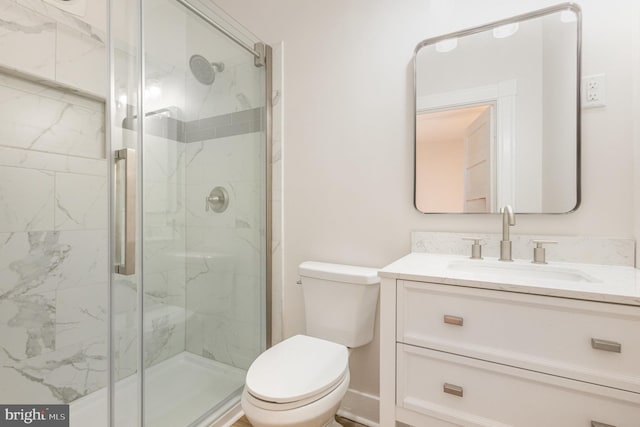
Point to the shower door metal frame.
(262, 57)
(268, 136)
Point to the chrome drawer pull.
(597, 424)
(452, 389)
(606, 346)
(453, 320)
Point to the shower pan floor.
(178, 391)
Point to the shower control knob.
(217, 200)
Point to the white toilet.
(301, 380)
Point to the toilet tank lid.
(339, 272)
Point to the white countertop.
(593, 282)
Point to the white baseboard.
(361, 407)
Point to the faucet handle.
(476, 247)
(539, 251)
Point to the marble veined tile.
(81, 202)
(162, 197)
(166, 287)
(52, 125)
(87, 261)
(81, 60)
(165, 254)
(58, 377)
(40, 160)
(125, 352)
(164, 332)
(210, 291)
(165, 159)
(18, 387)
(26, 200)
(27, 324)
(581, 249)
(38, 262)
(194, 341)
(230, 341)
(28, 260)
(27, 40)
(91, 23)
(247, 299)
(78, 7)
(35, 88)
(235, 158)
(125, 331)
(81, 314)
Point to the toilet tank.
(340, 301)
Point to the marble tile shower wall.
(164, 249)
(53, 196)
(222, 298)
(53, 244)
(44, 42)
(223, 301)
(164, 265)
(224, 253)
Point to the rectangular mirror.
(498, 116)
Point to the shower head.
(203, 70)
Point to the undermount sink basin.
(521, 270)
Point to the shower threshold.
(178, 391)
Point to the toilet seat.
(295, 372)
(271, 406)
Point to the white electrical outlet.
(594, 91)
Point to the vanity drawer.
(470, 392)
(589, 341)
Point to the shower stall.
(135, 222)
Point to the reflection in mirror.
(497, 116)
(453, 155)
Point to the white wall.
(348, 169)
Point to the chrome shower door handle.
(126, 260)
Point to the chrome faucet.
(508, 219)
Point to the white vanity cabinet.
(480, 353)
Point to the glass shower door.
(193, 317)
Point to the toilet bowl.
(301, 381)
(298, 382)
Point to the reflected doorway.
(455, 159)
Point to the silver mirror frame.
(469, 31)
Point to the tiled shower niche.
(53, 244)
